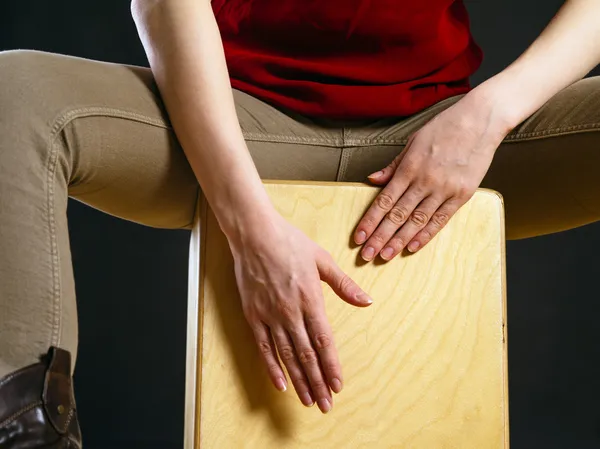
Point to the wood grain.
(424, 366)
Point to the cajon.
(425, 366)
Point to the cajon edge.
(193, 367)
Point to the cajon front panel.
(424, 366)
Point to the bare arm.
(565, 52)
(278, 268)
(184, 48)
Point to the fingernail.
(324, 405)
(280, 384)
(307, 399)
(364, 298)
(413, 246)
(387, 253)
(361, 237)
(368, 253)
(377, 174)
(336, 385)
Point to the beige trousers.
(97, 132)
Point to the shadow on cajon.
(424, 367)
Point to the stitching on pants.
(345, 157)
(59, 124)
(553, 132)
(281, 138)
(54, 256)
(71, 114)
(375, 141)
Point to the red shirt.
(348, 59)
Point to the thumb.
(384, 175)
(341, 283)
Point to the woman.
(321, 90)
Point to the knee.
(25, 111)
(19, 92)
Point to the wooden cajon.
(425, 366)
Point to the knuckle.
(346, 283)
(368, 222)
(398, 243)
(273, 366)
(425, 235)
(285, 310)
(319, 385)
(384, 201)
(378, 239)
(397, 215)
(429, 181)
(286, 352)
(265, 348)
(407, 167)
(464, 190)
(307, 356)
(440, 219)
(332, 368)
(322, 340)
(419, 218)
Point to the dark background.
(132, 280)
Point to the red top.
(348, 59)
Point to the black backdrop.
(131, 280)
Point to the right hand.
(278, 271)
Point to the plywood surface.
(424, 366)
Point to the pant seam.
(553, 132)
(374, 142)
(299, 140)
(54, 255)
(281, 138)
(66, 117)
(71, 114)
(345, 157)
(59, 123)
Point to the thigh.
(117, 151)
(548, 167)
(98, 132)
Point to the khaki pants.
(97, 132)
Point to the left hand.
(439, 170)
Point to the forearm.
(565, 52)
(186, 55)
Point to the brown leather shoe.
(37, 405)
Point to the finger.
(268, 352)
(287, 353)
(321, 336)
(394, 219)
(340, 282)
(309, 359)
(415, 223)
(385, 200)
(385, 174)
(438, 220)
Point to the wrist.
(495, 102)
(247, 220)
